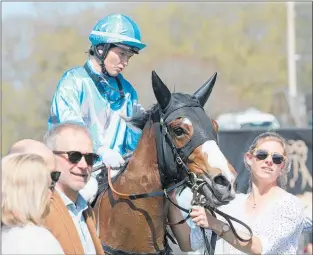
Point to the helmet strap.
(100, 57)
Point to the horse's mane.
(142, 119)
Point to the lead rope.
(210, 247)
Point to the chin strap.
(100, 57)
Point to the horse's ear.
(161, 92)
(215, 125)
(204, 92)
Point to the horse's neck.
(135, 225)
(144, 159)
(142, 176)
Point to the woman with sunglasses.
(27, 186)
(275, 216)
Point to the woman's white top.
(29, 239)
(278, 227)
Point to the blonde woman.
(275, 216)
(27, 186)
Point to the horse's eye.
(178, 131)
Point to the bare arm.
(181, 231)
(206, 220)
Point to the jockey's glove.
(89, 192)
(137, 110)
(110, 157)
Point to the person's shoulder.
(38, 230)
(290, 205)
(21, 229)
(28, 237)
(72, 76)
(30, 232)
(48, 243)
(46, 237)
(73, 72)
(290, 199)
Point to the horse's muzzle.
(218, 191)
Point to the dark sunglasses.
(262, 154)
(75, 156)
(55, 175)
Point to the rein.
(136, 196)
(143, 195)
(210, 247)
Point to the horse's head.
(187, 143)
(178, 146)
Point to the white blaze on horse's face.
(186, 121)
(216, 159)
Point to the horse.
(178, 146)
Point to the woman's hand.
(201, 217)
(204, 219)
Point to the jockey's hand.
(137, 110)
(110, 157)
(201, 217)
(89, 192)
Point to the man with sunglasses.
(71, 219)
(97, 95)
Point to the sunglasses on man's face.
(75, 156)
(263, 154)
(55, 175)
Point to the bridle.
(184, 178)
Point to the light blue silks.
(78, 99)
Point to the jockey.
(97, 95)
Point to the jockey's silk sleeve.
(78, 99)
(65, 103)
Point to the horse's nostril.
(222, 181)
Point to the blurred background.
(247, 44)
(261, 51)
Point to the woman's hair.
(25, 189)
(272, 136)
